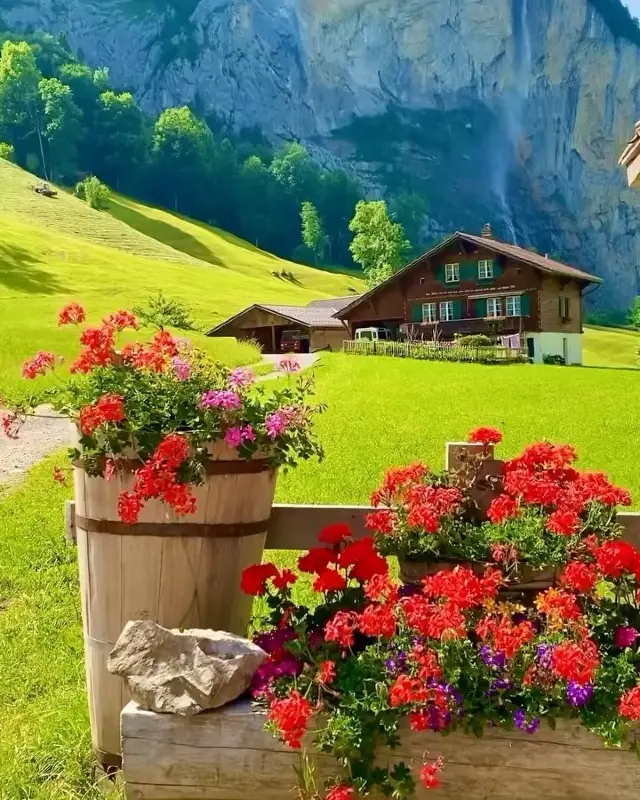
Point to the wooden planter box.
(226, 755)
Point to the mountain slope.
(508, 111)
(56, 250)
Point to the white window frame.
(446, 311)
(485, 270)
(514, 306)
(452, 273)
(429, 312)
(494, 307)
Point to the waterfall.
(513, 109)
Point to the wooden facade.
(545, 302)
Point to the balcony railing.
(488, 325)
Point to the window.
(514, 306)
(429, 312)
(446, 311)
(451, 273)
(494, 307)
(564, 308)
(485, 270)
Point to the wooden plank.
(296, 527)
(70, 521)
(225, 755)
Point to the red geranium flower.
(381, 521)
(329, 580)
(579, 576)
(291, 716)
(38, 365)
(285, 579)
(341, 628)
(334, 534)
(576, 661)
(368, 567)
(71, 314)
(564, 523)
(378, 621)
(630, 704)
(503, 508)
(617, 557)
(129, 507)
(485, 436)
(121, 320)
(326, 673)
(429, 774)
(254, 579)
(341, 792)
(316, 560)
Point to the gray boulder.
(183, 672)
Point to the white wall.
(553, 344)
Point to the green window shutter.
(457, 309)
(417, 312)
(468, 271)
(439, 272)
(481, 308)
(525, 305)
(497, 268)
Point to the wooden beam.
(273, 338)
(296, 527)
(226, 755)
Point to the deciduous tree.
(379, 244)
(313, 234)
(62, 125)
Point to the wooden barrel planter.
(178, 572)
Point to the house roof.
(307, 316)
(334, 303)
(542, 263)
(632, 150)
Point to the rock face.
(186, 672)
(508, 111)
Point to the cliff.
(508, 111)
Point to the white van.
(373, 334)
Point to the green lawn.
(53, 251)
(384, 411)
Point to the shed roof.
(542, 263)
(334, 303)
(308, 317)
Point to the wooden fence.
(437, 351)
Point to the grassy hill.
(56, 250)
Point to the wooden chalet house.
(476, 284)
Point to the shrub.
(475, 340)
(162, 312)
(558, 361)
(7, 152)
(93, 192)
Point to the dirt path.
(46, 432)
(42, 434)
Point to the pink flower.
(625, 637)
(241, 378)
(276, 424)
(289, 365)
(225, 398)
(39, 364)
(237, 436)
(182, 368)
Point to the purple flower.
(275, 640)
(520, 721)
(241, 378)
(391, 665)
(225, 398)
(544, 655)
(500, 685)
(625, 637)
(579, 695)
(497, 660)
(182, 368)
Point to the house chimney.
(486, 232)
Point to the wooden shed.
(314, 326)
